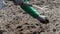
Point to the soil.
(14, 20)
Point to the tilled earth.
(13, 20)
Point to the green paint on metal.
(30, 10)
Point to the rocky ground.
(13, 20)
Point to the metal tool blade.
(1, 4)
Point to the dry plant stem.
(42, 8)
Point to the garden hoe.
(29, 9)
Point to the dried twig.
(42, 8)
